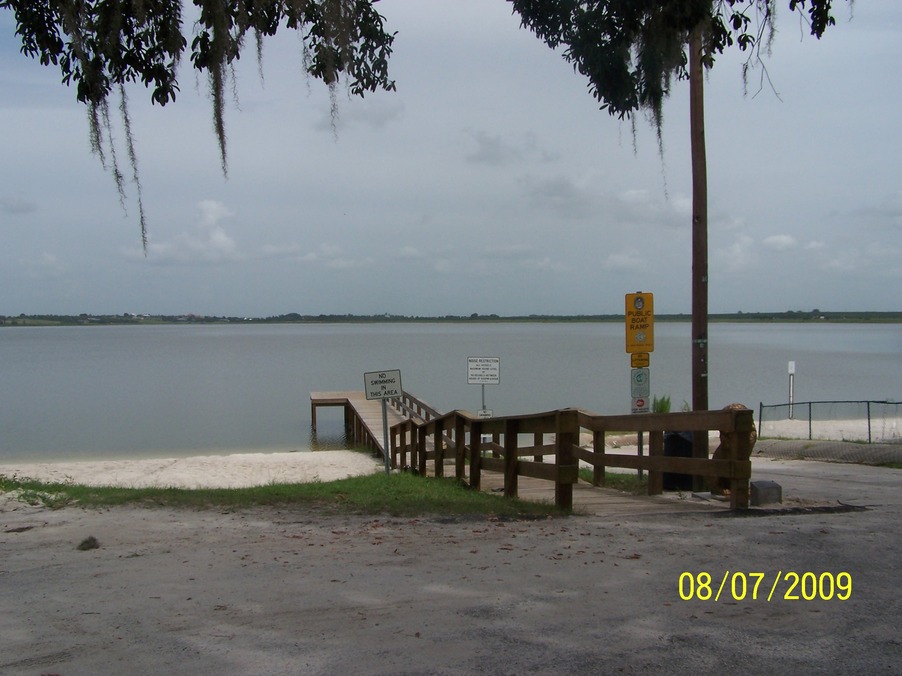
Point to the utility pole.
(699, 236)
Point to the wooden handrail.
(430, 436)
(412, 407)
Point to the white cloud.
(492, 150)
(44, 265)
(207, 242)
(648, 207)
(374, 113)
(728, 223)
(281, 250)
(212, 212)
(559, 195)
(739, 255)
(323, 254)
(625, 260)
(779, 242)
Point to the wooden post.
(402, 444)
(655, 450)
(511, 426)
(538, 439)
(439, 444)
(421, 449)
(740, 451)
(392, 446)
(475, 453)
(567, 433)
(313, 416)
(460, 447)
(598, 448)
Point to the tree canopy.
(630, 50)
(100, 46)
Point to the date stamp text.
(782, 586)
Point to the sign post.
(639, 313)
(791, 367)
(640, 342)
(484, 371)
(383, 385)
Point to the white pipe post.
(385, 436)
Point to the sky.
(489, 182)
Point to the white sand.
(209, 471)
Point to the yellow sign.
(640, 360)
(640, 322)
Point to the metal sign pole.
(639, 313)
(791, 367)
(385, 436)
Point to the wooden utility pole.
(699, 235)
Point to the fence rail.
(870, 421)
(505, 444)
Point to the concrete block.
(764, 492)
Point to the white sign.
(640, 405)
(382, 384)
(791, 367)
(640, 383)
(484, 413)
(483, 370)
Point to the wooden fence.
(556, 441)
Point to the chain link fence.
(864, 421)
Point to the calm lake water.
(118, 392)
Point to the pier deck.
(362, 416)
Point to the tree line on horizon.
(85, 319)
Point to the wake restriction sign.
(483, 371)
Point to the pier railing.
(551, 445)
(411, 407)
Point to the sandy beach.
(237, 470)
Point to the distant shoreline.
(127, 319)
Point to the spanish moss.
(103, 45)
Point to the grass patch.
(620, 481)
(395, 494)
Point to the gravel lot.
(288, 591)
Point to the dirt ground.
(290, 591)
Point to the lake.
(155, 391)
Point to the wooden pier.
(362, 416)
(490, 454)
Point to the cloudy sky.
(489, 182)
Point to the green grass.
(620, 481)
(395, 494)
